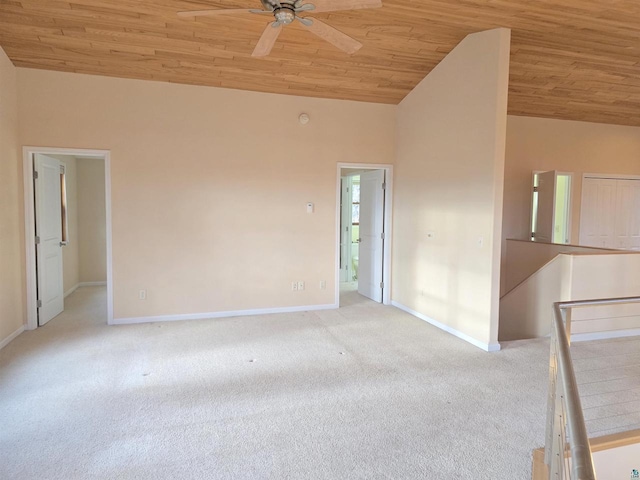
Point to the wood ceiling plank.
(574, 60)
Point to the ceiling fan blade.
(335, 5)
(268, 38)
(334, 37)
(219, 11)
(307, 22)
(261, 12)
(307, 7)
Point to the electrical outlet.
(300, 285)
(142, 295)
(294, 286)
(323, 284)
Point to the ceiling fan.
(286, 11)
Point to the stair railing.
(566, 433)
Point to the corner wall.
(450, 139)
(12, 302)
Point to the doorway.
(363, 233)
(551, 207)
(52, 191)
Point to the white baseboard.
(487, 347)
(232, 313)
(585, 337)
(6, 341)
(71, 290)
(83, 284)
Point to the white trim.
(585, 337)
(6, 341)
(29, 224)
(83, 284)
(487, 347)
(388, 210)
(30, 247)
(232, 313)
(572, 187)
(71, 290)
(346, 216)
(612, 176)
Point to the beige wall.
(209, 185)
(547, 144)
(448, 188)
(12, 302)
(92, 221)
(616, 463)
(567, 146)
(524, 257)
(526, 311)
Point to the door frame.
(29, 224)
(388, 209)
(345, 214)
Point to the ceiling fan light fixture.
(284, 15)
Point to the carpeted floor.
(363, 392)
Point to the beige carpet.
(363, 392)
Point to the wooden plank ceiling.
(572, 59)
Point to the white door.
(545, 219)
(371, 234)
(627, 215)
(598, 213)
(48, 213)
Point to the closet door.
(598, 213)
(627, 215)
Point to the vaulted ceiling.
(572, 59)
